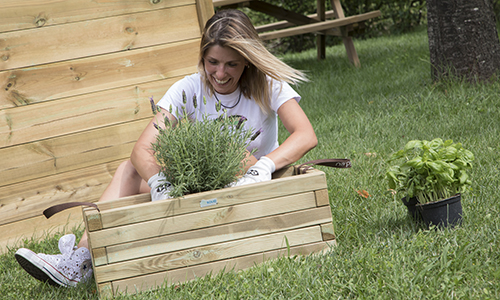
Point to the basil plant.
(430, 170)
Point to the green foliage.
(365, 114)
(398, 16)
(197, 156)
(430, 170)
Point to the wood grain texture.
(67, 153)
(39, 228)
(155, 280)
(205, 11)
(124, 201)
(206, 254)
(24, 124)
(15, 15)
(87, 75)
(201, 219)
(217, 234)
(311, 181)
(99, 256)
(327, 231)
(92, 220)
(75, 82)
(28, 48)
(82, 185)
(322, 197)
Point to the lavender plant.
(197, 156)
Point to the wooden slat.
(337, 8)
(66, 153)
(285, 24)
(202, 219)
(83, 185)
(206, 254)
(348, 43)
(318, 26)
(205, 10)
(38, 227)
(225, 197)
(228, 2)
(144, 283)
(124, 201)
(26, 124)
(284, 172)
(99, 256)
(15, 14)
(327, 231)
(93, 220)
(101, 36)
(66, 79)
(218, 234)
(322, 197)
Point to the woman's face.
(224, 67)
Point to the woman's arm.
(142, 156)
(302, 137)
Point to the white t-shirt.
(266, 142)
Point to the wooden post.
(205, 12)
(321, 38)
(348, 43)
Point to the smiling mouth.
(220, 81)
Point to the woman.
(238, 73)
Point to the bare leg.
(125, 182)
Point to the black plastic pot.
(443, 213)
(412, 209)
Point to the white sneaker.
(66, 269)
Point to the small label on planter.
(209, 202)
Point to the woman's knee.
(127, 170)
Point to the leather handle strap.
(49, 212)
(328, 162)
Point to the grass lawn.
(365, 114)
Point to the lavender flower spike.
(153, 105)
(195, 101)
(242, 119)
(156, 126)
(255, 135)
(184, 98)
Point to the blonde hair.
(233, 29)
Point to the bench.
(294, 24)
(75, 86)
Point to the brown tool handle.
(328, 162)
(49, 212)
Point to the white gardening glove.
(159, 192)
(259, 172)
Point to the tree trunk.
(463, 39)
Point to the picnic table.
(292, 23)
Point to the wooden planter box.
(142, 246)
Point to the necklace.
(228, 107)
